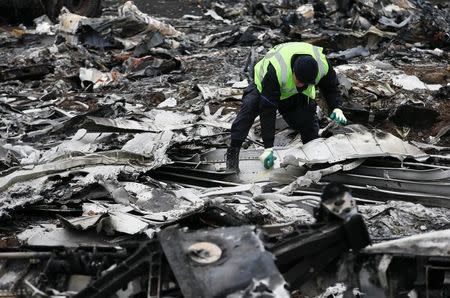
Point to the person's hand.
(338, 116)
(267, 158)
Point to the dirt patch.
(429, 74)
(169, 8)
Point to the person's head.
(305, 71)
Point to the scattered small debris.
(115, 118)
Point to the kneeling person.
(285, 80)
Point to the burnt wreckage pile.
(114, 131)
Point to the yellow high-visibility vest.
(280, 57)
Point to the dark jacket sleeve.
(268, 105)
(328, 86)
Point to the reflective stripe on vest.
(280, 60)
(319, 63)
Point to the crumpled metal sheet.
(148, 150)
(26, 154)
(98, 207)
(409, 82)
(230, 190)
(98, 78)
(70, 22)
(31, 186)
(123, 223)
(82, 141)
(252, 170)
(160, 205)
(51, 235)
(128, 28)
(211, 92)
(217, 119)
(151, 145)
(130, 10)
(338, 290)
(361, 143)
(111, 222)
(428, 244)
(20, 194)
(151, 206)
(82, 223)
(400, 219)
(121, 124)
(170, 118)
(391, 23)
(105, 158)
(358, 144)
(311, 177)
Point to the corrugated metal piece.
(361, 144)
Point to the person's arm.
(268, 105)
(328, 86)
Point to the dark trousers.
(297, 111)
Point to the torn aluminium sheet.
(22, 189)
(147, 149)
(428, 244)
(82, 141)
(98, 78)
(396, 219)
(127, 30)
(158, 120)
(122, 124)
(130, 10)
(110, 222)
(361, 143)
(106, 164)
(408, 82)
(110, 158)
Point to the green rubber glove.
(267, 158)
(338, 116)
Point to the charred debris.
(114, 129)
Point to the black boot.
(232, 159)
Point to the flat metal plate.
(242, 261)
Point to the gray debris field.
(115, 120)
